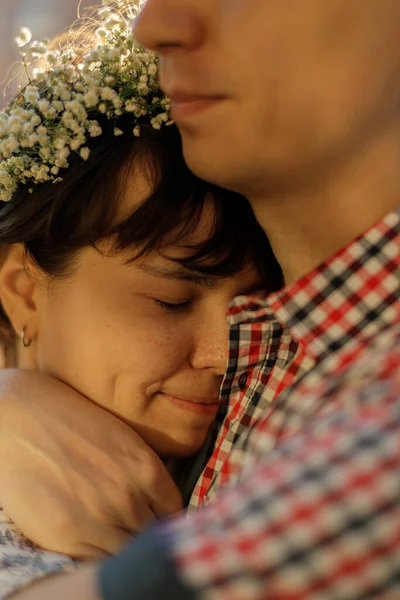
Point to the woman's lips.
(197, 406)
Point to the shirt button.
(243, 381)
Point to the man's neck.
(307, 227)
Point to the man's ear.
(17, 292)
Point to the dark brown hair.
(55, 221)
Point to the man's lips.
(195, 404)
(184, 105)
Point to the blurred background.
(45, 18)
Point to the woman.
(118, 264)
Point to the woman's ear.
(17, 292)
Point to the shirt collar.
(354, 293)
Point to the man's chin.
(206, 161)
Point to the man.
(295, 105)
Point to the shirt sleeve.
(316, 518)
(21, 562)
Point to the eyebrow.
(179, 273)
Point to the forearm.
(141, 572)
(80, 586)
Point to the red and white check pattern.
(316, 512)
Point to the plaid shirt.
(316, 511)
(264, 359)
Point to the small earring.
(26, 342)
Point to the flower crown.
(69, 88)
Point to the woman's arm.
(71, 465)
(80, 586)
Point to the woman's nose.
(210, 348)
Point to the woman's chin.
(175, 447)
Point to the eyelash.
(170, 307)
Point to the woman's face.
(147, 339)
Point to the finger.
(100, 541)
(87, 552)
(164, 497)
(135, 517)
(109, 539)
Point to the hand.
(74, 478)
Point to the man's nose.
(166, 26)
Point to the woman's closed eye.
(175, 306)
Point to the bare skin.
(312, 140)
(136, 351)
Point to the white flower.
(115, 53)
(61, 164)
(130, 106)
(115, 79)
(95, 130)
(75, 127)
(85, 153)
(36, 120)
(93, 57)
(24, 37)
(63, 153)
(58, 105)
(28, 128)
(41, 174)
(32, 140)
(59, 89)
(44, 140)
(52, 58)
(50, 114)
(31, 94)
(117, 102)
(67, 118)
(75, 144)
(37, 49)
(45, 153)
(13, 144)
(77, 109)
(101, 33)
(155, 123)
(66, 95)
(143, 89)
(91, 99)
(96, 76)
(59, 143)
(43, 105)
(108, 93)
(14, 125)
